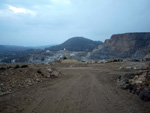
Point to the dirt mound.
(71, 61)
(14, 77)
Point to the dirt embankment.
(90, 89)
(18, 76)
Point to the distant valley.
(11, 53)
(8, 48)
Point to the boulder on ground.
(145, 94)
(137, 83)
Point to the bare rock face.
(129, 45)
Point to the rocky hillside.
(128, 45)
(77, 44)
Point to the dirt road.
(80, 90)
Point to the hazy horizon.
(47, 22)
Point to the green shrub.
(119, 77)
(24, 66)
(17, 66)
(65, 58)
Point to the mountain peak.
(77, 44)
(78, 37)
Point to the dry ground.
(81, 89)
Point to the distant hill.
(41, 47)
(7, 48)
(77, 44)
(128, 45)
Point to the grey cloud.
(52, 24)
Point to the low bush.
(24, 66)
(65, 58)
(17, 66)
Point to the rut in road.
(88, 90)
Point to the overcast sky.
(45, 22)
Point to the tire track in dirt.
(88, 90)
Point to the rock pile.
(137, 83)
(13, 78)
